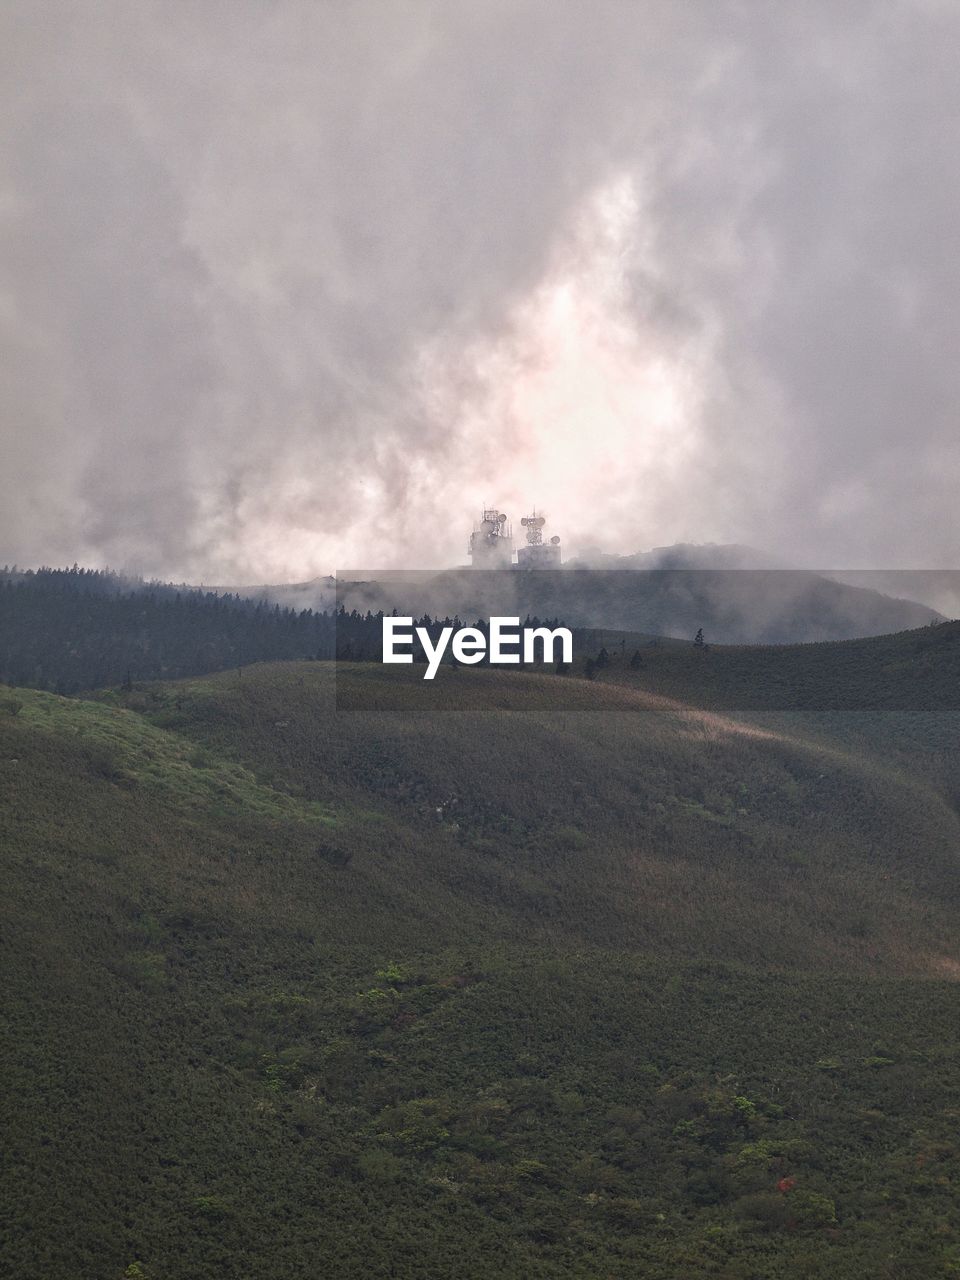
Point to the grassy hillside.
(628, 988)
(908, 671)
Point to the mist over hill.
(682, 555)
(737, 594)
(637, 963)
(732, 606)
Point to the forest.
(69, 630)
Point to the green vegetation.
(631, 988)
(76, 629)
(910, 671)
(129, 751)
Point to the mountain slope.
(300, 991)
(911, 671)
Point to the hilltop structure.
(491, 543)
(538, 554)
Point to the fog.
(291, 286)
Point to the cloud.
(298, 286)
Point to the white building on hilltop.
(538, 554)
(491, 543)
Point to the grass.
(631, 987)
(910, 671)
(133, 752)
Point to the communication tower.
(538, 554)
(491, 543)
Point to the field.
(522, 976)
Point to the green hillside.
(473, 987)
(908, 671)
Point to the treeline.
(68, 630)
(75, 629)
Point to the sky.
(290, 287)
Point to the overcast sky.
(289, 287)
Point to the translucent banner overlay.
(722, 639)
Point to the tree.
(698, 639)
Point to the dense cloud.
(295, 286)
